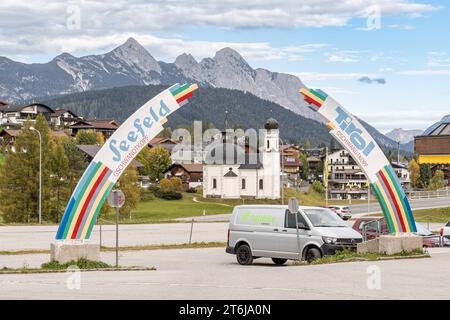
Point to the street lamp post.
(40, 173)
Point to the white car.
(343, 212)
(445, 230)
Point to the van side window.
(290, 221)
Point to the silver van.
(270, 231)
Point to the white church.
(246, 173)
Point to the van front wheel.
(244, 255)
(279, 261)
(313, 254)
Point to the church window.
(214, 183)
(261, 184)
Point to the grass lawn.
(308, 199)
(159, 210)
(438, 215)
(350, 256)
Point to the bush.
(191, 190)
(170, 195)
(81, 263)
(317, 187)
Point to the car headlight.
(329, 240)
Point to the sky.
(387, 61)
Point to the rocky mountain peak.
(185, 61)
(227, 54)
(135, 55)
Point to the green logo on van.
(257, 218)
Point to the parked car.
(342, 211)
(377, 225)
(445, 230)
(270, 231)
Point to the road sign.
(116, 199)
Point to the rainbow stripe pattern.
(182, 93)
(86, 202)
(99, 178)
(376, 167)
(393, 201)
(315, 98)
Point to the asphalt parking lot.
(213, 274)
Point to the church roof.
(271, 124)
(230, 174)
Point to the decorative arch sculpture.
(113, 158)
(345, 128)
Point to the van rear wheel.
(313, 254)
(244, 255)
(279, 261)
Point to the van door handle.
(284, 230)
(275, 230)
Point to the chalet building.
(433, 147)
(346, 179)
(402, 172)
(15, 116)
(63, 118)
(8, 136)
(191, 174)
(290, 164)
(106, 127)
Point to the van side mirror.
(293, 206)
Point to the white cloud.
(345, 56)
(166, 49)
(407, 27)
(406, 119)
(322, 76)
(26, 25)
(438, 59)
(426, 72)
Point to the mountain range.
(404, 136)
(131, 64)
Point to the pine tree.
(59, 181)
(19, 180)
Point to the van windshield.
(321, 217)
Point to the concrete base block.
(63, 252)
(391, 244)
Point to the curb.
(36, 271)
